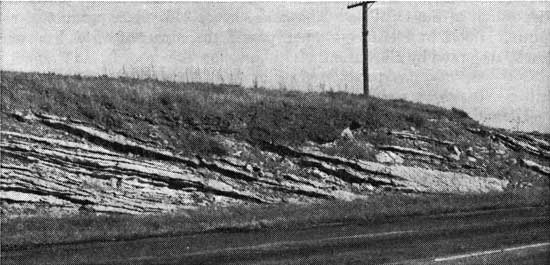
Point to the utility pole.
(365, 5)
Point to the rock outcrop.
(535, 166)
(397, 177)
(413, 136)
(406, 150)
(107, 172)
(388, 157)
(520, 142)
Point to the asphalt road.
(512, 236)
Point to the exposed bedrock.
(521, 142)
(106, 172)
(536, 167)
(394, 176)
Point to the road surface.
(511, 236)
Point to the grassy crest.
(183, 113)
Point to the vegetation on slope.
(184, 115)
(187, 118)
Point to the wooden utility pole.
(366, 5)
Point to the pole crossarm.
(361, 4)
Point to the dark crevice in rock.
(412, 136)
(227, 170)
(307, 193)
(284, 150)
(346, 175)
(59, 195)
(288, 151)
(119, 146)
(411, 151)
(536, 167)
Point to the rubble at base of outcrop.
(110, 173)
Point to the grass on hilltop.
(184, 115)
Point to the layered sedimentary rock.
(106, 172)
(521, 142)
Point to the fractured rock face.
(383, 157)
(347, 134)
(389, 157)
(404, 178)
(107, 172)
(68, 174)
(500, 149)
(535, 166)
(455, 153)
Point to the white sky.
(490, 58)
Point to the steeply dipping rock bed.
(66, 166)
